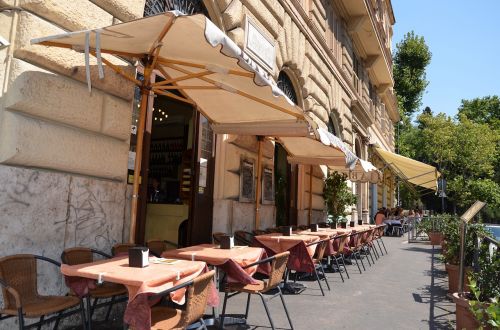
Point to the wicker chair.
(121, 248)
(18, 279)
(157, 246)
(258, 232)
(243, 237)
(354, 248)
(318, 264)
(217, 237)
(338, 255)
(378, 237)
(278, 266)
(81, 255)
(164, 317)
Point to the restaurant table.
(301, 253)
(140, 282)
(231, 261)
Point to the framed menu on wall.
(267, 186)
(247, 181)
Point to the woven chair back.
(20, 272)
(197, 295)
(320, 250)
(278, 266)
(243, 237)
(121, 248)
(156, 246)
(77, 256)
(217, 237)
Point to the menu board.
(247, 181)
(267, 186)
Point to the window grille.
(188, 7)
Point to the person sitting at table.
(380, 216)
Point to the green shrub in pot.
(484, 298)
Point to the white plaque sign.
(259, 46)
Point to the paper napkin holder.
(286, 230)
(138, 257)
(314, 227)
(226, 242)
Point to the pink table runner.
(140, 282)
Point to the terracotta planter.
(465, 318)
(453, 277)
(435, 237)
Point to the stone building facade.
(64, 151)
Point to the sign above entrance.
(259, 46)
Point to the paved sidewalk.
(405, 289)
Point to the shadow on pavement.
(441, 308)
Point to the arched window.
(286, 85)
(188, 7)
(331, 126)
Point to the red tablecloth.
(300, 254)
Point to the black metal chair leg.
(361, 259)
(286, 309)
(366, 254)
(345, 268)
(21, 318)
(371, 255)
(89, 314)
(82, 314)
(324, 276)
(383, 244)
(39, 327)
(112, 302)
(357, 264)
(374, 248)
(93, 307)
(267, 310)
(248, 306)
(58, 319)
(221, 325)
(319, 282)
(338, 267)
(379, 247)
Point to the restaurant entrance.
(176, 194)
(286, 188)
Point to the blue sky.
(464, 38)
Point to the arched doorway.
(285, 174)
(176, 197)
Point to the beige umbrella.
(203, 64)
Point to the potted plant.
(452, 254)
(480, 308)
(338, 197)
(332, 221)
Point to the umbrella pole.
(138, 150)
(309, 219)
(259, 183)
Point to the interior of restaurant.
(170, 166)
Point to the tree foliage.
(484, 110)
(465, 152)
(410, 59)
